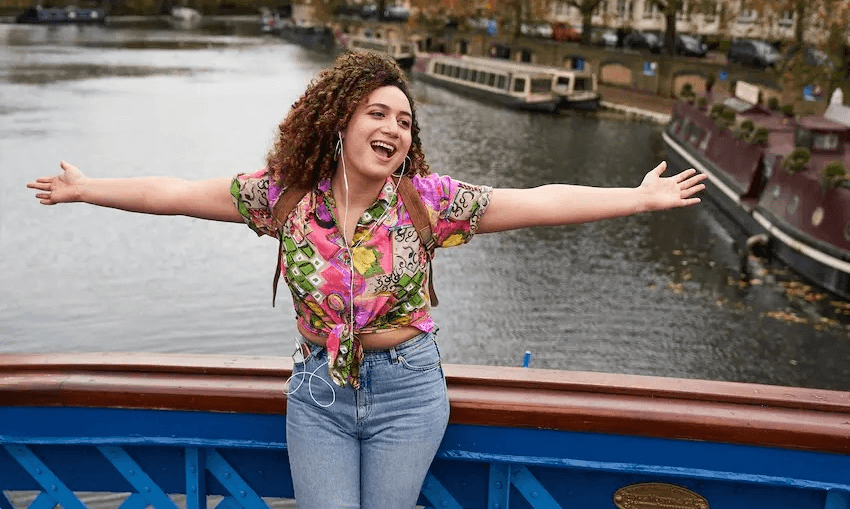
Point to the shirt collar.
(387, 196)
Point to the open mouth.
(383, 149)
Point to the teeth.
(390, 149)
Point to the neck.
(361, 192)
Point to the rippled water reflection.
(649, 294)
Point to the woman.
(367, 405)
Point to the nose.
(390, 126)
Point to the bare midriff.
(370, 340)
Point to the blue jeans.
(368, 448)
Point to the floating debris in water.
(786, 316)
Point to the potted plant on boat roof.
(834, 175)
(796, 160)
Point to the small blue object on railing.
(526, 359)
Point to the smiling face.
(378, 136)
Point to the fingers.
(690, 191)
(693, 179)
(658, 170)
(679, 177)
(42, 184)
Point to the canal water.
(654, 294)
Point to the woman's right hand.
(63, 188)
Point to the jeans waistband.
(391, 354)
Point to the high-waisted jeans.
(368, 448)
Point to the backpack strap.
(422, 222)
(415, 207)
(282, 208)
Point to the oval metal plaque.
(658, 495)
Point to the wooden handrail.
(753, 414)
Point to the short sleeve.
(253, 194)
(458, 207)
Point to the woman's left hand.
(669, 192)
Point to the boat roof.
(526, 66)
(741, 106)
(493, 65)
(821, 123)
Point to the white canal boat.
(400, 50)
(517, 86)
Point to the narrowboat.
(516, 86)
(184, 18)
(169, 431)
(577, 89)
(313, 36)
(400, 50)
(780, 183)
(61, 15)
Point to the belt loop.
(393, 355)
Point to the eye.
(404, 123)
(377, 113)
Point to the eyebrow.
(384, 106)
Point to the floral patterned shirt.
(377, 283)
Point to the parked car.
(604, 37)
(643, 40)
(811, 56)
(690, 46)
(369, 11)
(565, 32)
(542, 30)
(396, 13)
(753, 53)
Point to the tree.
(586, 8)
(525, 11)
(669, 8)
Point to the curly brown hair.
(303, 153)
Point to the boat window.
(482, 77)
(675, 123)
(540, 85)
(825, 141)
(704, 143)
(519, 84)
(455, 72)
(693, 133)
(582, 84)
(491, 79)
(564, 81)
(464, 73)
(473, 76)
(502, 81)
(685, 126)
(803, 138)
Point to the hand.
(63, 188)
(669, 192)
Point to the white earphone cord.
(312, 374)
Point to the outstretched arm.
(558, 204)
(205, 199)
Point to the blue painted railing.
(193, 431)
